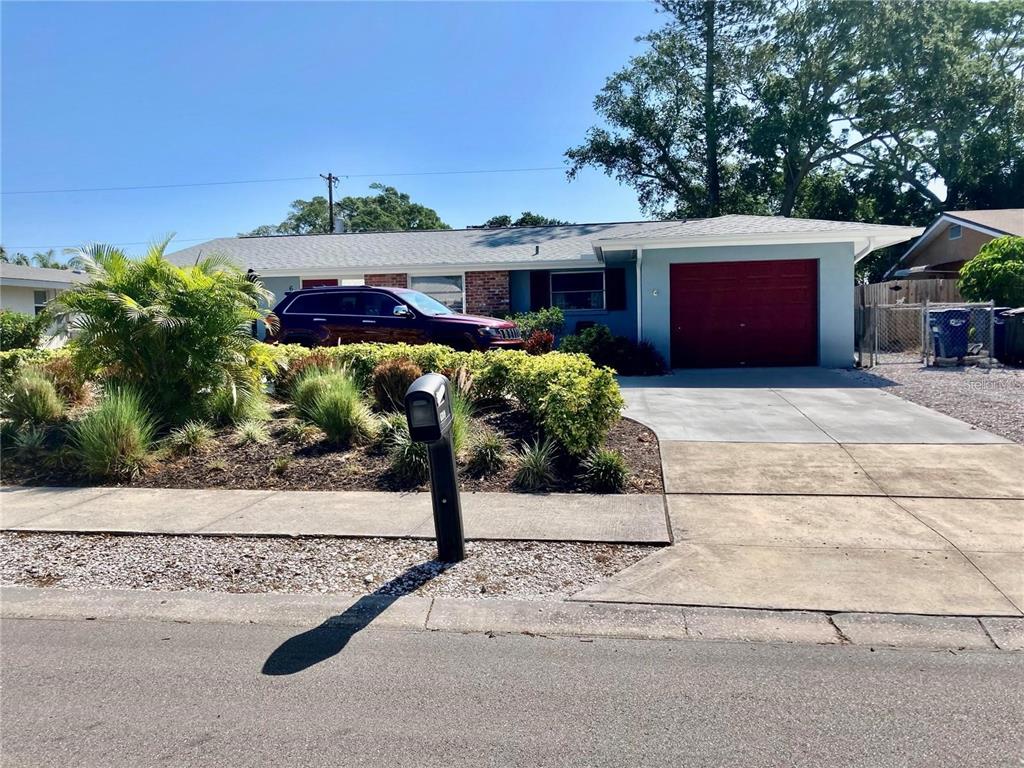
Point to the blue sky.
(115, 94)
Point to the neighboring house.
(953, 239)
(28, 289)
(727, 291)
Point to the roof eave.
(860, 237)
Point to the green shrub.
(113, 439)
(252, 432)
(550, 319)
(33, 399)
(624, 355)
(571, 398)
(30, 442)
(306, 387)
(390, 381)
(13, 360)
(65, 372)
(232, 404)
(487, 454)
(171, 333)
(408, 460)
(604, 471)
(298, 361)
(19, 330)
(996, 273)
(536, 465)
(191, 437)
(462, 415)
(337, 407)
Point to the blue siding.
(621, 322)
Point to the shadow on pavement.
(320, 643)
(758, 378)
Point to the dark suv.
(329, 316)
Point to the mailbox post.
(428, 409)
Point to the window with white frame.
(578, 290)
(40, 298)
(445, 288)
(955, 232)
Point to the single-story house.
(953, 239)
(28, 289)
(725, 291)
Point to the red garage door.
(740, 313)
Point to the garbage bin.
(1013, 339)
(949, 331)
(999, 333)
(979, 337)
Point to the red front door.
(319, 282)
(744, 313)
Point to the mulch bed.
(314, 465)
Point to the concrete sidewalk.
(619, 519)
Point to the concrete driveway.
(797, 489)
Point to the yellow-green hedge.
(573, 400)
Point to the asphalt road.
(80, 693)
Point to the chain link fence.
(921, 333)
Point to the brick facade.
(387, 280)
(487, 293)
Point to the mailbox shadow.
(320, 643)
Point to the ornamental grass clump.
(114, 438)
(390, 381)
(336, 406)
(252, 433)
(604, 471)
(462, 416)
(408, 459)
(536, 465)
(487, 455)
(33, 399)
(232, 404)
(191, 437)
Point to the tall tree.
(673, 120)
(18, 258)
(527, 219)
(48, 260)
(387, 210)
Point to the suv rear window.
(327, 303)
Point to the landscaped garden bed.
(165, 387)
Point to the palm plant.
(176, 334)
(48, 260)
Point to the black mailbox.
(428, 408)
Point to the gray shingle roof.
(40, 274)
(563, 244)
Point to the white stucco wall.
(835, 291)
(17, 298)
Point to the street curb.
(494, 616)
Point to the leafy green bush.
(114, 438)
(252, 432)
(13, 360)
(337, 407)
(536, 465)
(550, 319)
(624, 355)
(19, 330)
(191, 437)
(604, 471)
(407, 459)
(571, 398)
(996, 273)
(487, 454)
(33, 399)
(174, 334)
(390, 381)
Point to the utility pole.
(332, 182)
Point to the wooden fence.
(907, 292)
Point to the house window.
(445, 288)
(955, 232)
(577, 290)
(40, 298)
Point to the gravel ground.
(992, 399)
(346, 566)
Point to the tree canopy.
(996, 273)
(884, 110)
(388, 210)
(527, 219)
(46, 259)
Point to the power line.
(274, 181)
